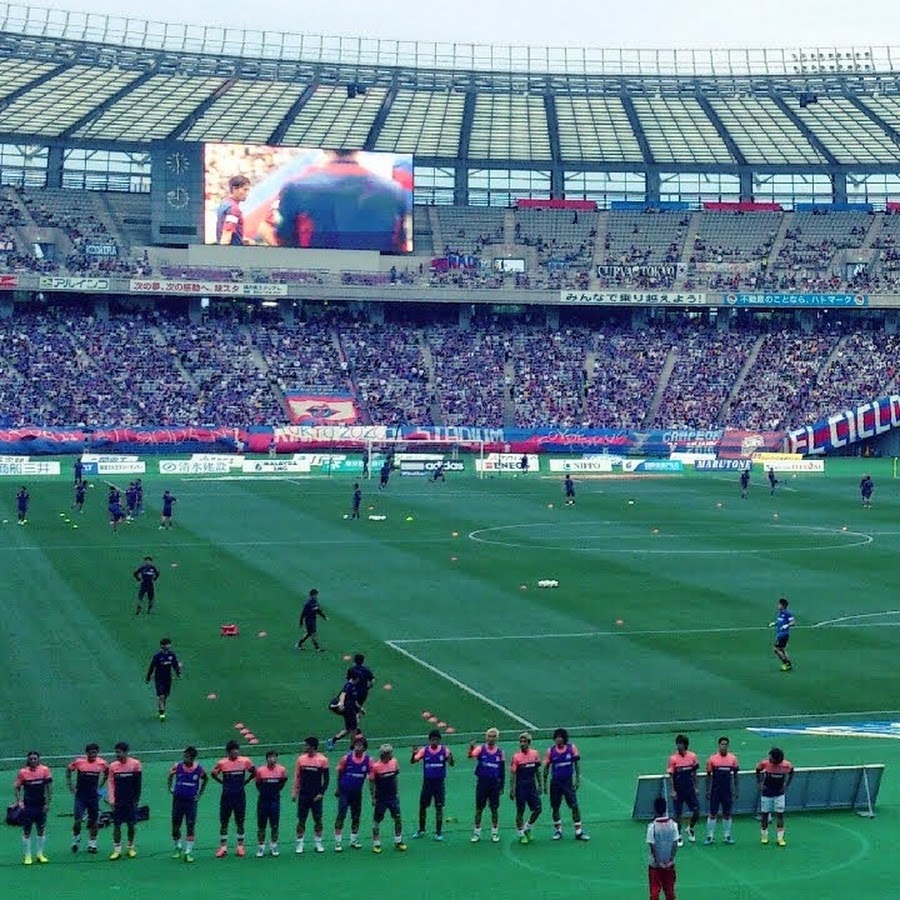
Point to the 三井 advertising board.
(29, 468)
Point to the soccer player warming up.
(866, 487)
(745, 483)
(722, 784)
(774, 774)
(563, 764)
(346, 704)
(90, 773)
(352, 773)
(311, 779)
(33, 791)
(187, 782)
(434, 758)
(270, 781)
(662, 840)
(163, 663)
(570, 490)
(525, 786)
(125, 778)
(168, 504)
(682, 770)
(490, 776)
(383, 778)
(234, 772)
(357, 500)
(23, 498)
(784, 620)
(309, 616)
(146, 574)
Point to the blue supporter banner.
(827, 300)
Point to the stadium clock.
(177, 198)
(177, 162)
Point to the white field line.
(461, 685)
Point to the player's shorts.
(771, 804)
(562, 790)
(433, 789)
(116, 514)
(124, 813)
(719, 800)
(384, 805)
(268, 813)
(570, 492)
(351, 720)
(528, 797)
(33, 815)
(89, 808)
(782, 641)
(305, 806)
(686, 799)
(232, 805)
(184, 808)
(163, 688)
(352, 801)
(146, 590)
(487, 793)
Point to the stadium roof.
(85, 79)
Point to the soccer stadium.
(550, 369)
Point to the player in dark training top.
(365, 678)
(162, 665)
(570, 490)
(78, 470)
(309, 620)
(357, 500)
(772, 481)
(114, 506)
(23, 498)
(33, 791)
(90, 772)
(146, 574)
(347, 704)
(168, 503)
(784, 621)
(78, 505)
(187, 782)
(866, 487)
(745, 483)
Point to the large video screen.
(256, 195)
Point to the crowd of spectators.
(62, 365)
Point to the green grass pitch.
(659, 624)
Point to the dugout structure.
(812, 789)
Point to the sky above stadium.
(583, 23)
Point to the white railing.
(37, 21)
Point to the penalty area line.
(461, 685)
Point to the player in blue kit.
(229, 217)
(352, 774)
(772, 481)
(784, 621)
(186, 783)
(490, 776)
(435, 758)
(365, 678)
(563, 766)
(309, 619)
(745, 483)
(146, 574)
(168, 504)
(131, 501)
(866, 487)
(357, 500)
(23, 498)
(347, 704)
(162, 665)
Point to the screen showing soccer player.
(257, 195)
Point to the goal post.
(422, 456)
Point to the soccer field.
(659, 623)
